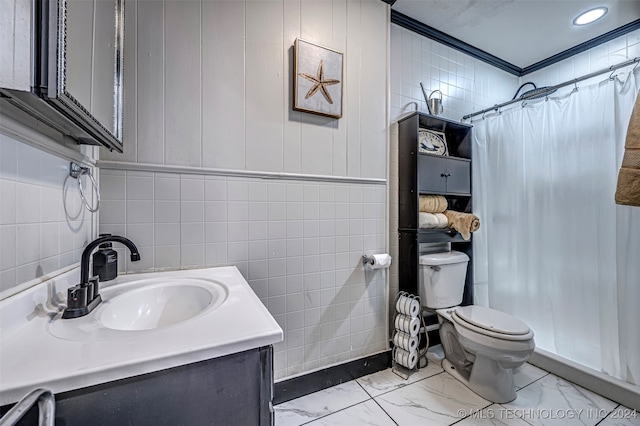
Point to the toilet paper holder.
(368, 260)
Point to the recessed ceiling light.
(590, 16)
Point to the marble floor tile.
(622, 416)
(386, 380)
(554, 401)
(439, 399)
(366, 413)
(311, 407)
(527, 374)
(495, 414)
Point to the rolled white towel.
(428, 220)
(443, 222)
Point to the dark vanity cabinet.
(422, 173)
(235, 389)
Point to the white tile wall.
(467, 84)
(299, 244)
(43, 226)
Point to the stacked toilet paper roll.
(407, 326)
(405, 358)
(407, 305)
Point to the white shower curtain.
(554, 249)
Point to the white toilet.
(481, 345)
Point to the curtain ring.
(612, 76)
(76, 171)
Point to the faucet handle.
(95, 281)
(76, 297)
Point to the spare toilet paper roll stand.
(406, 355)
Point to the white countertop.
(31, 356)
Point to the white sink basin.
(144, 305)
(160, 305)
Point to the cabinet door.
(458, 177)
(432, 174)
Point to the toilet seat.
(490, 322)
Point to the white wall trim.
(595, 381)
(161, 168)
(18, 131)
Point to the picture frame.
(432, 142)
(318, 79)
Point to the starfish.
(320, 83)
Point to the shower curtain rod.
(550, 89)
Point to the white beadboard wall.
(209, 84)
(209, 90)
(37, 235)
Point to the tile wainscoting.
(298, 241)
(43, 224)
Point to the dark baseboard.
(296, 387)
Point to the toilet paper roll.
(405, 341)
(407, 324)
(379, 261)
(405, 358)
(407, 305)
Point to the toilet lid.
(490, 320)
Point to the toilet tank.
(442, 277)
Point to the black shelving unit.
(421, 173)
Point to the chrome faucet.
(46, 407)
(84, 297)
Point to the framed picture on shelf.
(432, 142)
(317, 79)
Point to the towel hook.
(76, 171)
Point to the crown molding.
(437, 35)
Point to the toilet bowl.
(482, 354)
(482, 346)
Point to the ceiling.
(520, 32)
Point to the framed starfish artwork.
(317, 83)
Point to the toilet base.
(487, 379)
